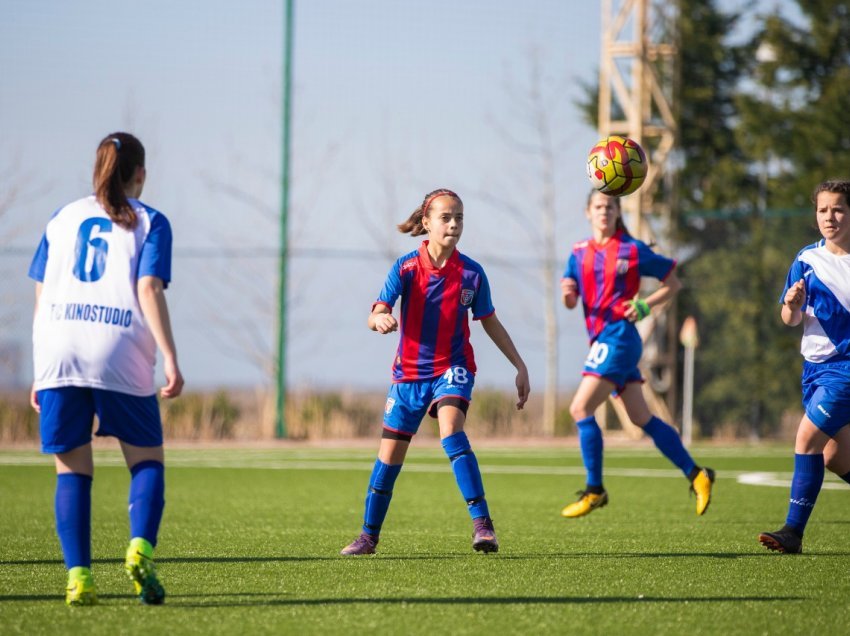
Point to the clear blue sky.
(391, 100)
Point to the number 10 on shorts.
(597, 354)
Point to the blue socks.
(73, 510)
(590, 440)
(73, 518)
(805, 486)
(378, 496)
(667, 440)
(846, 477)
(147, 499)
(467, 474)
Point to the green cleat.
(80, 589)
(140, 568)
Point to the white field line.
(228, 460)
(781, 479)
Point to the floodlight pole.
(286, 97)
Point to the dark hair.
(836, 186)
(619, 225)
(118, 156)
(413, 225)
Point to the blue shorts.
(407, 402)
(826, 394)
(67, 418)
(615, 354)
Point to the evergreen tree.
(760, 124)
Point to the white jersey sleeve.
(826, 312)
(88, 328)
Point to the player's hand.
(523, 388)
(796, 295)
(568, 286)
(173, 378)
(34, 400)
(385, 323)
(636, 310)
(569, 292)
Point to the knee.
(579, 411)
(456, 445)
(810, 440)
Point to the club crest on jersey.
(389, 405)
(622, 266)
(466, 296)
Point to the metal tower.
(637, 81)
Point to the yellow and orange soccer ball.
(616, 165)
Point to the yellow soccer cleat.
(587, 503)
(80, 589)
(701, 487)
(140, 568)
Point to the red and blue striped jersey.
(434, 325)
(608, 276)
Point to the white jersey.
(89, 330)
(826, 313)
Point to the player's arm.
(151, 290)
(381, 319)
(499, 335)
(639, 308)
(792, 307)
(33, 397)
(569, 292)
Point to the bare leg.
(836, 453)
(78, 460)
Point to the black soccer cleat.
(785, 540)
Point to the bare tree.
(251, 338)
(17, 187)
(530, 135)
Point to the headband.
(116, 141)
(440, 193)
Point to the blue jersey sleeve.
(39, 260)
(393, 286)
(572, 267)
(796, 272)
(155, 257)
(482, 303)
(652, 264)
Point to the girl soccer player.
(605, 271)
(817, 293)
(100, 314)
(434, 368)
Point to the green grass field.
(250, 539)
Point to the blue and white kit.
(88, 329)
(826, 334)
(93, 352)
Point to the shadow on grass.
(450, 557)
(474, 600)
(252, 599)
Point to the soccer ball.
(616, 165)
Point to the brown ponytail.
(413, 225)
(621, 227)
(118, 156)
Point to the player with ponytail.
(434, 368)
(604, 272)
(101, 269)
